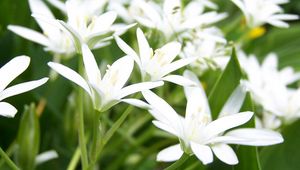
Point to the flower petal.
(179, 80)
(227, 122)
(144, 48)
(202, 152)
(127, 50)
(71, 75)
(12, 69)
(139, 87)
(225, 153)
(137, 103)
(90, 65)
(169, 154)
(7, 110)
(46, 156)
(119, 72)
(177, 65)
(21, 88)
(255, 137)
(234, 102)
(30, 35)
(165, 127)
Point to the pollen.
(256, 32)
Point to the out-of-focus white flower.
(156, 66)
(208, 46)
(270, 89)
(52, 38)
(8, 73)
(201, 136)
(171, 18)
(108, 90)
(120, 7)
(259, 12)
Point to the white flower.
(209, 46)
(201, 136)
(52, 38)
(7, 74)
(270, 89)
(259, 12)
(108, 90)
(171, 18)
(157, 66)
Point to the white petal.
(165, 127)
(90, 65)
(30, 35)
(168, 114)
(170, 154)
(144, 47)
(75, 36)
(137, 103)
(255, 137)
(128, 50)
(234, 102)
(139, 87)
(71, 75)
(46, 156)
(21, 88)
(179, 80)
(12, 69)
(7, 110)
(225, 153)
(202, 152)
(59, 5)
(119, 72)
(169, 51)
(177, 65)
(227, 122)
(104, 22)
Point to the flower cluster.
(177, 42)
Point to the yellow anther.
(256, 32)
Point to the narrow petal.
(177, 65)
(59, 5)
(227, 122)
(90, 65)
(21, 88)
(179, 80)
(255, 137)
(202, 152)
(169, 51)
(128, 50)
(12, 69)
(46, 156)
(234, 102)
(30, 35)
(71, 75)
(225, 153)
(170, 154)
(75, 36)
(119, 72)
(103, 22)
(7, 110)
(144, 48)
(137, 103)
(165, 127)
(139, 87)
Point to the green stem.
(113, 129)
(74, 160)
(84, 157)
(11, 164)
(178, 163)
(96, 138)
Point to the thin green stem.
(81, 133)
(9, 162)
(114, 128)
(178, 163)
(96, 138)
(74, 160)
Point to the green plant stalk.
(81, 133)
(96, 138)
(178, 163)
(113, 129)
(9, 162)
(74, 160)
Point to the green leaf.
(247, 155)
(285, 155)
(225, 85)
